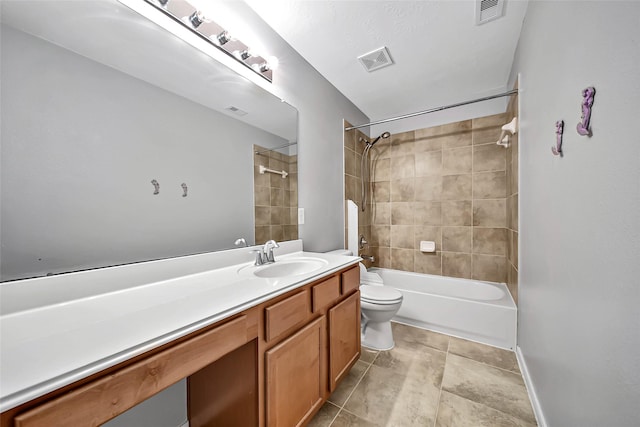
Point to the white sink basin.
(286, 268)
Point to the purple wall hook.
(557, 150)
(587, 102)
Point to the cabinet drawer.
(324, 293)
(286, 314)
(350, 280)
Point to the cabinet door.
(294, 376)
(344, 338)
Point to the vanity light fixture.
(221, 38)
(197, 23)
(196, 19)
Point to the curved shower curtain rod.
(433, 110)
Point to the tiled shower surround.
(446, 184)
(275, 198)
(512, 204)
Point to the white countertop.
(71, 332)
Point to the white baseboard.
(186, 424)
(535, 403)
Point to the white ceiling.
(441, 56)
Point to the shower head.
(384, 135)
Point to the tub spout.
(368, 257)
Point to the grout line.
(446, 356)
(490, 365)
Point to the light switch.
(300, 216)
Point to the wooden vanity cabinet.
(273, 365)
(344, 338)
(303, 369)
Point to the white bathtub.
(469, 309)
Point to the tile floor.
(430, 379)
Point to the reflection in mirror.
(276, 193)
(104, 117)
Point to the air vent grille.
(488, 10)
(376, 59)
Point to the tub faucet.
(368, 257)
(268, 251)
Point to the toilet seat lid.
(380, 294)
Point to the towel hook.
(156, 187)
(184, 189)
(587, 102)
(557, 150)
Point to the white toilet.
(378, 304)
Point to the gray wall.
(81, 143)
(579, 321)
(321, 109)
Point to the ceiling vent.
(376, 59)
(236, 111)
(488, 10)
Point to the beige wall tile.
(263, 215)
(428, 143)
(456, 161)
(456, 187)
(428, 213)
(262, 196)
(489, 157)
(513, 212)
(380, 169)
(277, 215)
(402, 259)
(428, 163)
(359, 164)
(428, 188)
(456, 212)
(428, 263)
(455, 140)
(382, 257)
(428, 233)
(381, 191)
(456, 265)
(490, 121)
(263, 233)
(490, 268)
(489, 185)
(277, 197)
(277, 233)
(403, 167)
(381, 235)
(490, 213)
(490, 241)
(276, 181)
(382, 150)
(261, 179)
(381, 214)
(349, 162)
(514, 246)
(512, 282)
(456, 239)
(349, 136)
(402, 213)
(286, 199)
(402, 190)
(487, 135)
(446, 129)
(352, 188)
(402, 144)
(402, 236)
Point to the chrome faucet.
(268, 251)
(259, 258)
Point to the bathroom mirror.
(121, 143)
